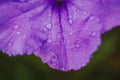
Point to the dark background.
(105, 64)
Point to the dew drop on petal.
(53, 59)
(62, 68)
(77, 45)
(16, 26)
(49, 15)
(71, 33)
(49, 40)
(9, 44)
(70, 21)
(93, 33)
(86, 28)
(92, 18)
(83, 65)
(49, 26)
(63, 42)
(18, 33)
(24, 36)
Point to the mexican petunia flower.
(63, 33)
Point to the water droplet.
(93, 33)
(63, 42)
(16, 26)
(71, 33)
(86, 28)
(84, 15)
(83, 65)
(49, 26)
(92, 18)
(24, 36)
(9, 44)
(77, 45)
(70, 21)
(62, 68)
(53, 58)
(84, 12)
(44, 30)
(18, 33)
(58, 36)
(49, 15)
(49, 40)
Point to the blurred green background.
(105, 64)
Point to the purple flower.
(63, 33)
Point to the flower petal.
(73, 39)
(108, 11)
(53, 52)
(82, 35)
(24, 33)
(64, 38)
(10, 8)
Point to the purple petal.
(73, 39)
(53, 51)
(108, 11)
(82, 37)
(63, 33)
(20, 34)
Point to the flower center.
(58, 2)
